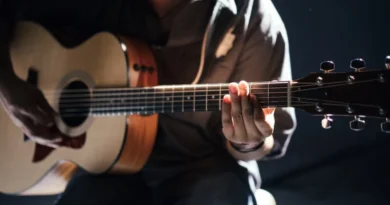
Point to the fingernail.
(226, 99)
(243, 90)
(233, 88)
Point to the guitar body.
(115, 144)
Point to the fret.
(142, 101)
(220, 96)
(124, 103)
(154, 99)
(138, 101)
(268, 92)
(200, 98)
(164, 99)
(188, 100)
(182, 98)
(272, 94)
(149, 106)
(177, 99)
(167, 99)
(194, 99)
(289, 94)
(213, 98)
(207, 90)
(279, 94)
(172, 97)
(159, 99)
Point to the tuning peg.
(387, 62)
(327, 66)
(327, 122)
(358, 64)
(385, 126)
(357, 124)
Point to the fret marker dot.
(213, 96)
(188, 97)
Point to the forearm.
(258, 154)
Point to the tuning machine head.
(327, 66)
(387, 62)
(358, 64)
(357, 124)
(385, 126)
(327, 122)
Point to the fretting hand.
(245, 123)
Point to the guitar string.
(162, 98)
(149, 91)
(162, 111)
(183, 101)
(329, 86)
(158, 96)
(156, 109)
(173, 106)
(121, 95)
(340, 102)
(201, 105)
(181, 86)
(127, 102)
(159, 89)
(218, 85)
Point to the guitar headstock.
(358, 94)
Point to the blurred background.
(336, 166)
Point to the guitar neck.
(170, 99)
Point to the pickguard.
(42, 151)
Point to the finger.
(253, 134)
(270, 117)
(38, 117)
(36, 133)
(227, 125)
(46, 107)
(259, 118)
(236, 112)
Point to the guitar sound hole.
(75, 103)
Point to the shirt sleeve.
(265, 57)
(5, 31)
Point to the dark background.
(336, 166)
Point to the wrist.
(246, 148)
(258, 154)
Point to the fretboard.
(173, 98)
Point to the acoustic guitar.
(108, 98)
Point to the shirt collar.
(189, 24)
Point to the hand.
(244, 121)
(30, 111)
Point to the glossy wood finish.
(141, 130)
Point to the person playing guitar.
(194, 159)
